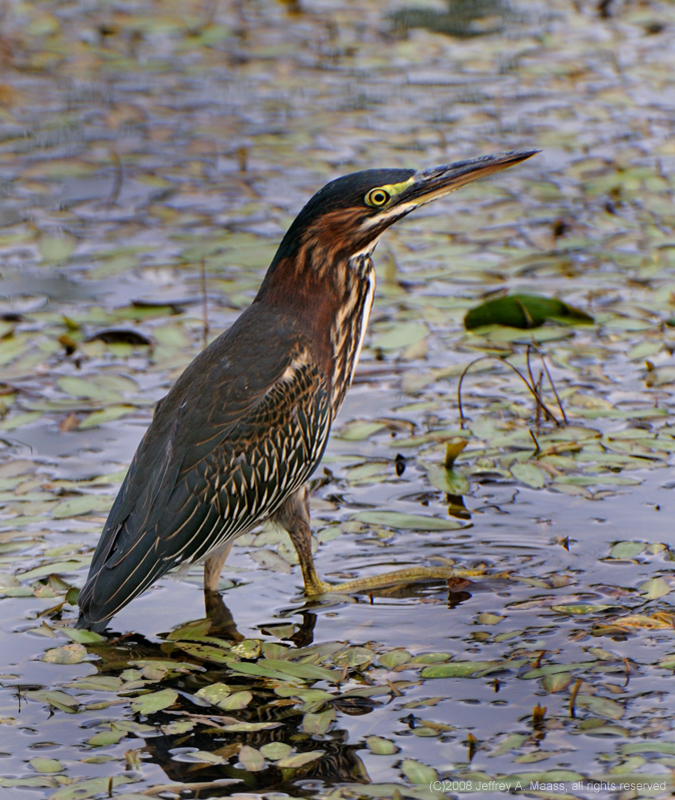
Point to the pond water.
(151, 156)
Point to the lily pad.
(524, 311)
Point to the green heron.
(236, 438)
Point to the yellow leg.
(294, 517)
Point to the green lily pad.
(524, 311)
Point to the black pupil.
(379, 197)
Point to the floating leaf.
(83, 636)
(205, 757)
(524, 311)
(247, 648)
(108, 414)
(300, 759)
(251, 759)
(403, 335)
(409, 522)
(249, 727)
(380, 746)
(68, 654)
(529, 474)
(626, 550)
(235, 701)
(35, 782)
(580, 608)
(155, 701)
(456, 669)
(556, 683)
(354, 657)
(418, 773)
(601, 706)
(46, 765)
(90, 787)
(306, 695)
(649, 746)
(81, 387)
(555, 669)
(194, 630)
(394, 658)
(214, 693)
(275, 751)
(489, 619)
(447, 480)
(303, 671)
(318, 724)
(106, 738)
(360, 430)
(511, 742)
(56, 698)
(80, 505)
(654, 588)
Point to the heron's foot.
(459, 578)
(315, 586)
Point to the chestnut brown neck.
(331, 303)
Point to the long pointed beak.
(429, 184)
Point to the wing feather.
(227, 445)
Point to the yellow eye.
(377, 197)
